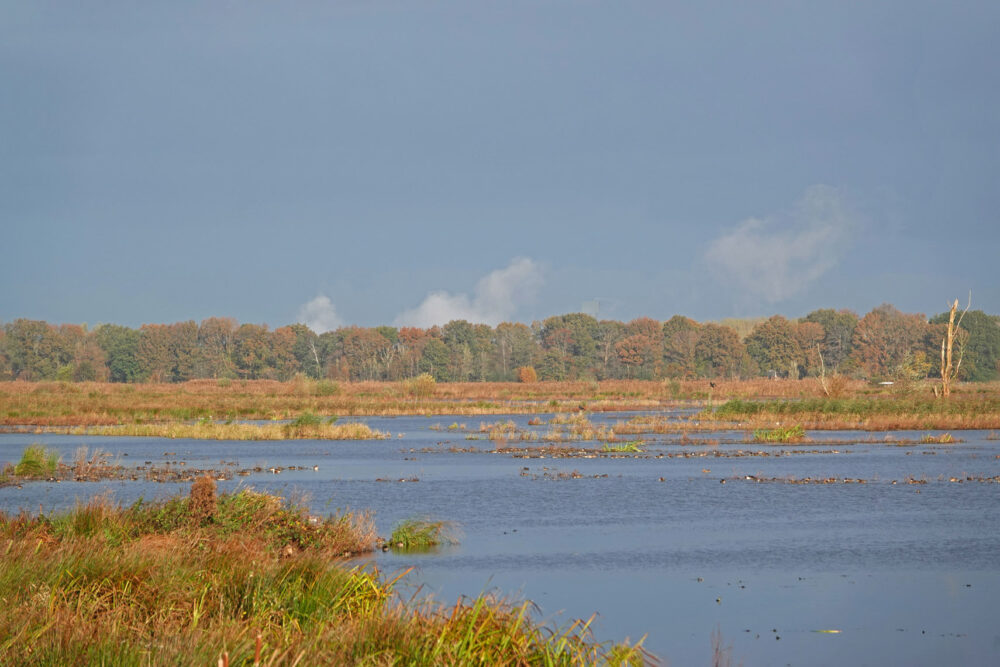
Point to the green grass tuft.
(780, 434)
(37, 461)
(632, 447)
(307, 419)
(422, 534)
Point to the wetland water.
(909, 573)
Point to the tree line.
(883, 344)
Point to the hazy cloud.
(497, 297)
(320, 315)
(781, 255)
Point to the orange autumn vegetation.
(94, 404)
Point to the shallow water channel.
(670, 543)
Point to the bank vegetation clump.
(241, 578)
(779, 434)
(422, 533)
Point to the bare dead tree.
(822, 372)
(949, 370)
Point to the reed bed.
(565, 429)
(742, 404)
(91, 403)
(885, 414)
(215, 431)
(243, 578)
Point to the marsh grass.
(421, 386)
(780, 434)
(161, 583)
(876, 413)
(633, 446)
(93, 403)
(37, 461)
(313, 428)
(422, 533)
(942, 439)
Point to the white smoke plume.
(320, 315)
(497, 297)
(779, 256)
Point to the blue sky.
(406, 162)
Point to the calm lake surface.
(908, 572)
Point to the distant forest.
(885, 344)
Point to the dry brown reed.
(90, 403)
(213, 431)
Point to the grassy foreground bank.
(246, 576)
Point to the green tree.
(35, 349)
(5, 371)
(435, 360)
(838, 334)
(153, 352)
(120, 346)
(184, 351)
(574, 337)
(981, 348)
(305, 349)
(810, 337)
(514, 346)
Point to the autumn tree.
(216, 336)
(638, 354)
(282, 364)
(773, 346)
(885, 337)
(361, 348)
(719, 352)
(680, 337)
(411, 341)
(251, 349)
